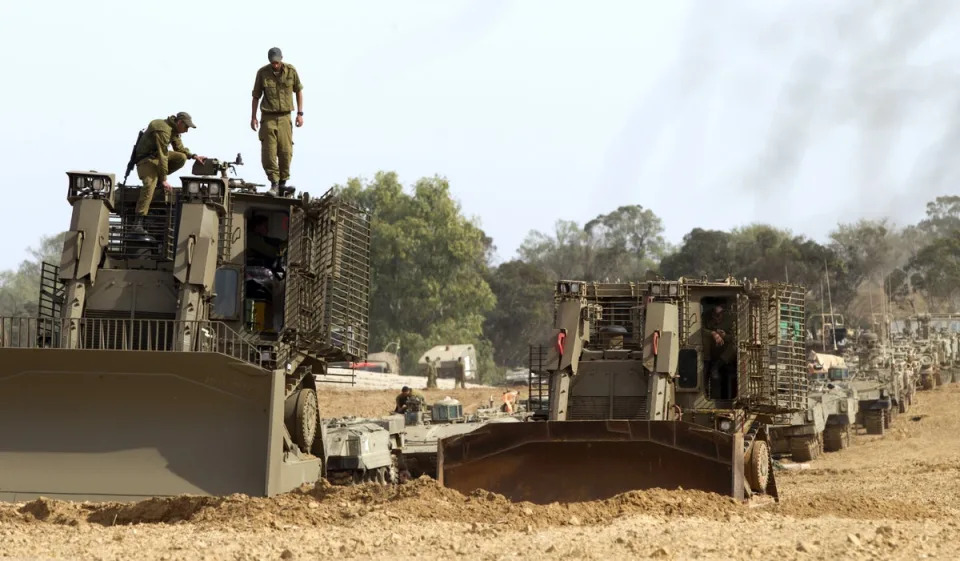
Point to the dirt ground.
(889, 497)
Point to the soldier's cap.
(274, 54)
(185, 117)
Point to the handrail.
(126, 334)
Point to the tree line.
(434, 280)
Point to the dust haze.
(873, 85)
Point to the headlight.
(726, 425)
(674, 289)
(213, 188)
(655, 289)
(193, 187)
(78, 183)
(97, 184)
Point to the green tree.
(524, 311)
(703, 253)
(937, 272)
(943, 217)
(428, 268)
(625, 243)
(628, 241)
(20, 287)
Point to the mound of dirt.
(417, 501)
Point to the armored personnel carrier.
(360, 450)
(825, 425)
(182, 359)
(426, 426)
(647, 384)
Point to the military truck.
(182, 360)
(642, 394)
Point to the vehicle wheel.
(803, 449)
(836, 438)
(305, 422)
(902, 405)
(873, 422)
(887, 418)
(758, 467)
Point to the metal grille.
(587, 408)
(160, 223)
(778, 379)
(620, 304)
(342, 261)
(298, 305)
(630, 407)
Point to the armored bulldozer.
(181, 357)
(647, 384)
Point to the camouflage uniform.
(461, 380)
(276, 131)
(154, 162)
(431, 374)
(402, 400)
(720, 356)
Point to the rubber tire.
(804, 449)
(836, 438)
(887, 418)
(758, 467)
(306, 420)
(873, 422)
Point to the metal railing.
(124, 334)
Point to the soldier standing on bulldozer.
(154, 163)
(431, 373)
(276, 83)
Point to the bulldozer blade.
(128, 425)
(572, 461)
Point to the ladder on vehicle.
(538, 382)
(51, 291)
(225, 240)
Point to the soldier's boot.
(284, 190)
(137, 229)
(137, 226)
(273, 192)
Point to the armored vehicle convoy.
(182, 360)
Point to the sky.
(712, 114)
